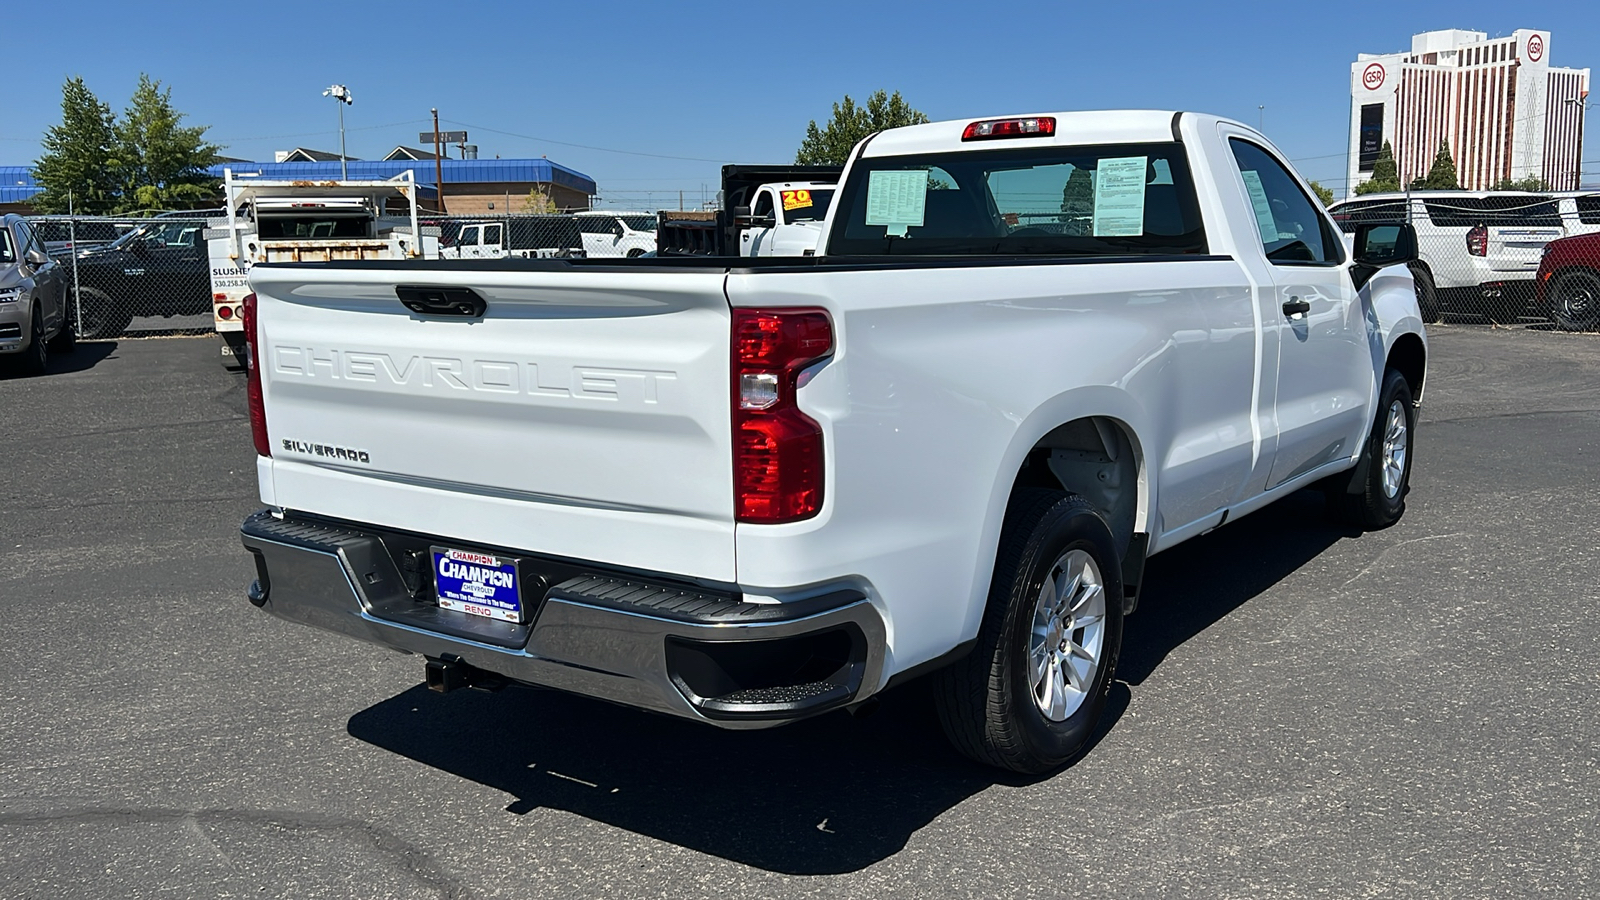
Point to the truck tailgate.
(585, 414)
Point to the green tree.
(1323, 194)
(831, 145)
(1442, 174)
(1530, 183)
(1077, 202)
(77, 168)
(1385, 177)
(538, 202)
(161, 162)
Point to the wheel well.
(1097, 459)
(1408, 357)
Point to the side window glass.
(26, 238)
(763, 205)
(491, 235)
(1291, 231)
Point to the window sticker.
(1261, 205)
(796, 200)
(897, 199)
(1119, 197)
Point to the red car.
(1569, 282)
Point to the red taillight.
(777, 449)
(1478, 241)
(252, 362)
(1032, 126)
(224, 312)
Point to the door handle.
(1294, 307)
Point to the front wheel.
(1028, 696)
(1427, 293)
(1575, 301)
(101, 317)
(1374, 494)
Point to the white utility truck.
(303, 221)
(1028, 353)
(786, 219)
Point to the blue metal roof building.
(471, 185)
(17, 184)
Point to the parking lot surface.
(1301, 711)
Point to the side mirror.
(1381, 244)
(748, 221)
(36, 258)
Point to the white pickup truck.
(786, 219)
(1028, 353)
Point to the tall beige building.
(1499, 104)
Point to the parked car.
(613, 234)
(33, 299)
(1569, 282)
(748, 490)
(64, 235)
(522, 236)
(1479, 249)
(160, 268)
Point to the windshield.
(6, 256)
(1105, 200)
(805, 206)
(178, 233)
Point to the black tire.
(1575, 301)
(66, 340)
(1427, 293)
(1362, 499)
(101, 316)
(36, 359)
(986, 700)
(635, 253)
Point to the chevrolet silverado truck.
(1029, 353)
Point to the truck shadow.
(829, 795)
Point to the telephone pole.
(438, 162)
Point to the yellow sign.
(796, 200)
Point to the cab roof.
(1117, 126)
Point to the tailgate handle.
(441, 300)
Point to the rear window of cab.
(1093, 200)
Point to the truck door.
(758, 241)
(177, 270)
(1314, 317)
(493, 244)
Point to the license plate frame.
(478, 584)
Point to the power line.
(529, 137)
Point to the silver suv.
(33, 299)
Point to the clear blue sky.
(732, 82)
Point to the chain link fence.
(132, 275)
(153, 275)
(1481, 255)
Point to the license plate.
(478, 584)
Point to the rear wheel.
(1575, 301)
(1373, 496)
(1028, 696)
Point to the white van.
(1480, 249)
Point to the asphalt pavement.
(1300, 712)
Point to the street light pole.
(342, 96)
(1577, 159)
